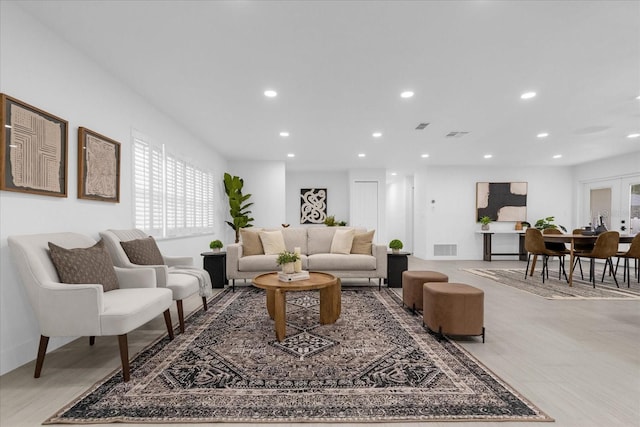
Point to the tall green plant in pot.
(238, 208)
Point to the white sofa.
(315, 249)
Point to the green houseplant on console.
(286, 260)
(544, 223)
(395, 245)
(215, 245)
(485, 221)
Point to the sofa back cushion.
(342, 241)
(272, 242)
(295, 238)
(251, 243)
(319, 239)
(362, 243)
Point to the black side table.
(396, 264)
(216, 264)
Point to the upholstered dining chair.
(534, 245)
(605, 247)
(578, 249)
(632, 253)
(175, 273)
(556, 246)
(97, 299)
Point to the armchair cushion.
(84, 265)
(143, 251)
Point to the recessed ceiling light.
(542, 135)
(424, 156)
(270, 93)
(361, 155)
(407, 94)
(633, 135)
(376, 134)
(488, 156)
(557, 156)
(638, 97)
(284, 133)
(393, 174)
(527, 95)
(291, 155)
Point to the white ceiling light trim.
(291, 155)
(362, 155)
(407, 94)
(270, 93)
(424, 156)
(488, 156)
(376, 134)
(528, 95)
(284, 133)
(542, 135)
(633, 135)
(557, 156)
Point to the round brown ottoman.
(453, 309)
(412, 282)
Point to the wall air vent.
(422, 126)
(445, 250)
(456, 134)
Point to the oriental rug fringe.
(375, 364)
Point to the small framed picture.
(33, 150)
(98, 167)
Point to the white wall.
(379, 176)
(337, 187)
(40, 69)
(450, 218)
(265, 181)
(399, 211)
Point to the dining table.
(573, 239)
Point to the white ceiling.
(339, 67)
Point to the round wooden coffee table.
(330, 299)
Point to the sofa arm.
(174, 261)
(130, 278)
(380, 252)
(234, 252)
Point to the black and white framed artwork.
(313, 205)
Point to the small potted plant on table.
(286, 260)
(215, 246)
(485, 220)
(395, 245)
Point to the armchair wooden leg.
(180, 315)
(42, 351)
(124, 356)
(92, 340)
(167, 321)
(204, 303)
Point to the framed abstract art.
(98, 167)
(313, 205)
(501, 201)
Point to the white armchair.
(181, 283)
(69, 310)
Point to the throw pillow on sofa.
(342, 241)
(272, 242)
(251, 243)
(362, 243)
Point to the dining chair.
(579, 248)
(632, 253)
(605, 247)
(534, 244)
(556, 246)
(75, 291)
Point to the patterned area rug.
(376, 363)
(553, 288)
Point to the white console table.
(486, 244)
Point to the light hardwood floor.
(579, 361)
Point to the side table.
(216, 265)
(396, 264)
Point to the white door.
(630, 205)
(364, 205)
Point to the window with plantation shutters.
(172, 197)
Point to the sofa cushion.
(319, 239)
(340, 262)
(272, 242)
(251, 243)
(295, 237)
(143, 251)
(362, 243)
(342, 241)
(91, 265)
(258, 263)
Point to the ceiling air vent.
(422, 126)
(456, 134)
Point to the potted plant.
(215, 245)
(395, 245)
(544, 223)
(286, 260)
(485, 220)
(238, 208)
(331, 221)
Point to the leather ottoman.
(453, 309)
(412, 282)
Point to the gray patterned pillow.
(84, 265)
(143, 251)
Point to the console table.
(486, 244)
